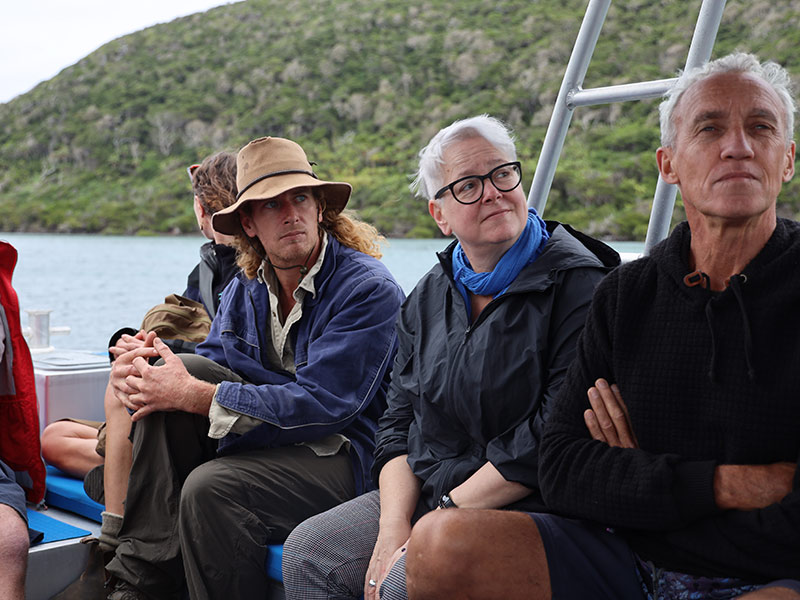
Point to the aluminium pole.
(562, 115)
(705, 34)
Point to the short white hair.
(428, 178)
(769, 72)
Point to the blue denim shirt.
(344, 346)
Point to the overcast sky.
(38, 38)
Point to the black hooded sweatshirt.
(709, 378)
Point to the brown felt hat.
(266, 168)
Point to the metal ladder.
(572, 95)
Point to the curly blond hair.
(344, 226)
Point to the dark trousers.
(190, 514)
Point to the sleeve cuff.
(222, 419)
(694, 489)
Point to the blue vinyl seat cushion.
(67, 493)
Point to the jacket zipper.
(489, 308)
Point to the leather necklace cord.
(303, 267)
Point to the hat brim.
(336, 195)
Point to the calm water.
(97, 284)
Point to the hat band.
(268, 175)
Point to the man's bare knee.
(13, 553)
(463, 553)
(14, 541)
(435, 552)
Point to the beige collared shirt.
(280, 354)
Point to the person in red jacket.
(22, 470)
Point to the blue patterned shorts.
(659, 584)
(609, 569)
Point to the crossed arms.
(736, 487)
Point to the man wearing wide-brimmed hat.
(273, 420)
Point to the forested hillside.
(362, 85)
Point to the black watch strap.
(447, 502)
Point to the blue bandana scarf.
(494, 283)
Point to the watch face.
(446, 502)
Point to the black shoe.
(125, 591)
(93, 484)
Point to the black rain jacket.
(463, 394)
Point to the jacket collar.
(566, 249)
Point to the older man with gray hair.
(689, 488)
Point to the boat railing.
(572, 95)
(38, 331)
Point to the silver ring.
(372, 583)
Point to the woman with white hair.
(485, 339)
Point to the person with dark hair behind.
(214, 187)
(101, 452)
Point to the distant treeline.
(362, 85)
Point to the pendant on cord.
(303, 267)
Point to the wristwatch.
(446, 501)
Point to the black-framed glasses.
(469, 189)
